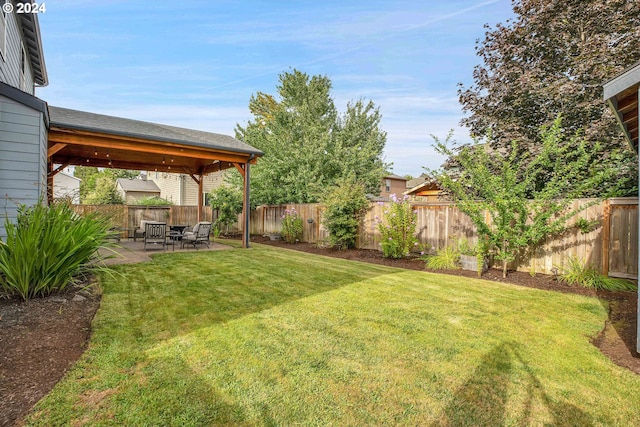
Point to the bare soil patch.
(41, 339)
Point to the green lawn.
(268, 336)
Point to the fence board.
(623, 247)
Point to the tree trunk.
(504, 268)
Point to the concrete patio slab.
(131, 252)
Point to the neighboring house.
(181, 190)
(133, 190)
(66, 186)
(622, 93)
(392, 184)
(23, 117)
(424, 189)
(416, 181)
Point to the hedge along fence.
(612, 245)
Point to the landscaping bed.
(40, 340)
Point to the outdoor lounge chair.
(155, 233)
(199, 234)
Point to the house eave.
(30, 28)
(622, 95)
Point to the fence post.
(606, 235)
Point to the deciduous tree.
(97, 186)
(105, 192)
(228, 202)
(553, 58)
(308, 144)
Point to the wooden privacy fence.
(612, 245)
(128, 217)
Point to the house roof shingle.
(394, 176)
(416, 181)
(139, 185)
(82, 120)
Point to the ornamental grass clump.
(581, 273)
(49, 248)
(291, 226)
(398, 228)
(447, 258)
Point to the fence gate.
(621, 243)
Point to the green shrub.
(154, 201)
(447, 258)
(345, 207)
(291, 226)
(228, 203)
(398, 228)
(577, 272)
(49, 248)
(465, 248)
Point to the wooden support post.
(606, 235)
(200, 197)
(638, 251)
(638, 243)
(246, 207)
(199, 180)
(244, 169)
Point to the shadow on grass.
(622, 311)
(483, 399)
(166, 392)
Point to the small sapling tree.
(398, 228)
(228, 202)
(517, 201)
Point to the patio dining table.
(177, 228)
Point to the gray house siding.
(23, 153)
(10, 64)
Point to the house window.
(387, 185)
(3, 34)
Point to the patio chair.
(155, 233)
(139, 232)
(199, 234)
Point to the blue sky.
(196, 63)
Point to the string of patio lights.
(164, 160)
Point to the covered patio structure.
(81, 138)
(622, 93)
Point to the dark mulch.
(41, 339)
